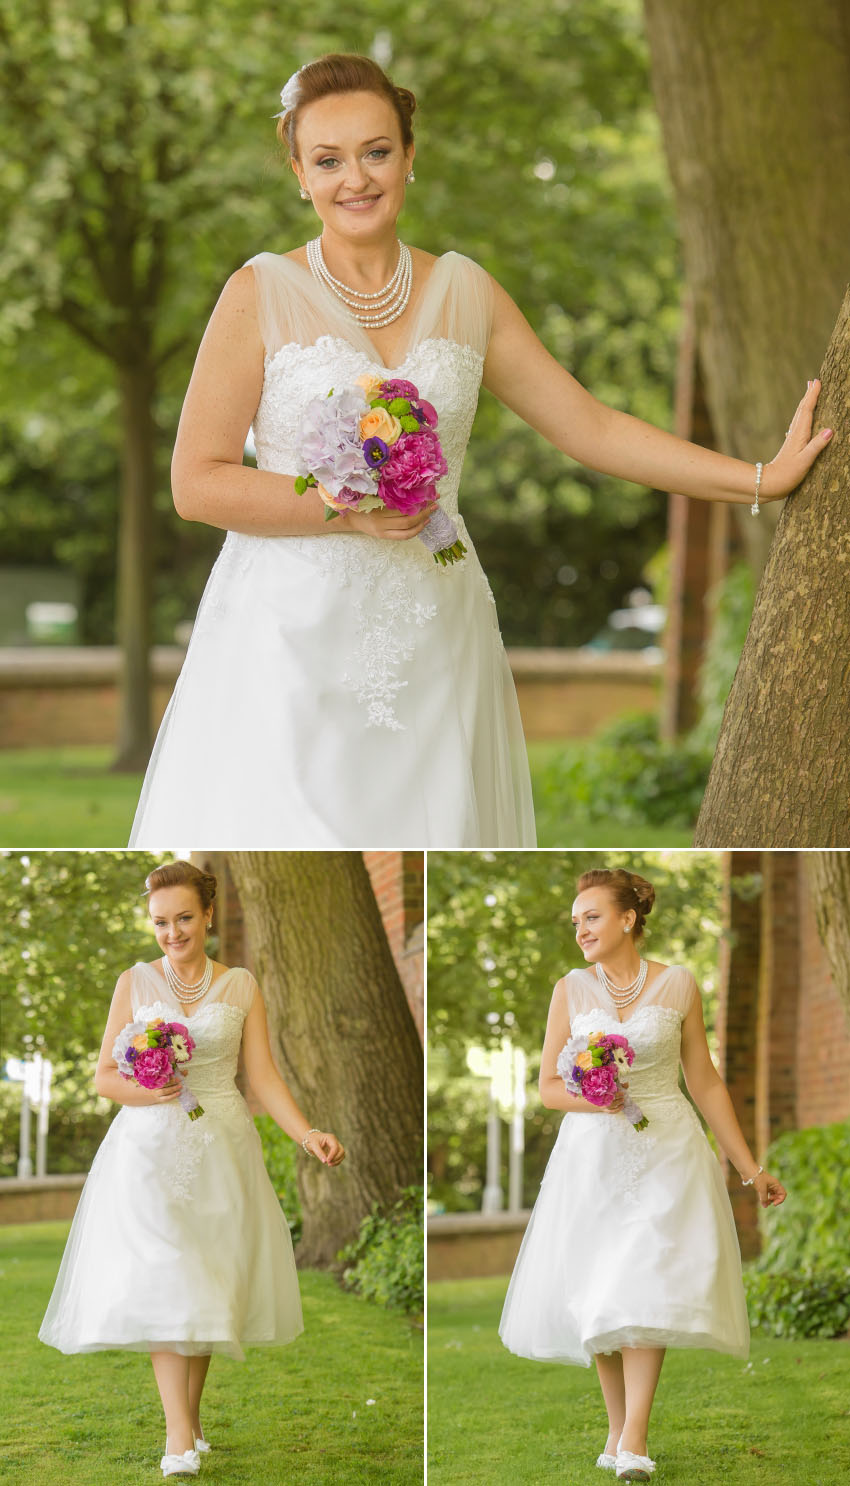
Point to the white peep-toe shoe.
(187, 1464)
(633, 1467)
(606, 1462)
(202, 1445)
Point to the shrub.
(386, 1262)
(625, 773)
(281, 1158)
(800, 1284)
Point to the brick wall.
(398, 882)
(737, 1026)
(823, 1089)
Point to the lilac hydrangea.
(329, 442)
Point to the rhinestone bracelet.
(754, 508)
(751, 1179)
(314, 1131)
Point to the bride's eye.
(328, 160)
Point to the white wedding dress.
(178, 1243)
(341, 690)
(632, 1240)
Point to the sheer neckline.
(356, 333)
(639, 1001)
(169, 999)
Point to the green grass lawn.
(287, 1414)
(67, 797)
(561, 824)
(784, 1417)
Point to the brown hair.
(345, 72)
(183, 874)
(626, 888)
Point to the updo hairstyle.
(345, 72)
(183, 874)
(627, 889)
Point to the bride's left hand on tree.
(787, 469)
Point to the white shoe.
(187, 1464)
(202, 1445)
(633, 1467)
(606, 1462)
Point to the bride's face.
(179, 922)
(600, 925)
(352, 162)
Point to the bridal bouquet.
(594, 1067)
(149, 1053)
(372, 445)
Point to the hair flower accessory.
(288, 95)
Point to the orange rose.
(140, 1042)
(585, 1060)
(379, 424)
(371, 386)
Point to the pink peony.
(152, 1069)
(599, 1085)
(407, 478)
(428, 410)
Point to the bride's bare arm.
(208, 479)
(108, 1082)
(274, 1094)
(714, 1102)
(523, 375)
(553, 1091)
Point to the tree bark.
(341, 1031)
(753, 101)
(781, 772)
(133, 578)
(828, 874)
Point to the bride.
(341, 688)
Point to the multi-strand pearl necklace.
(371, 310)
(623, 995)
(185, 991)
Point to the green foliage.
(625, 774)
(281, 1159)
(800, 1283)
(386, 1261)
(72, 921)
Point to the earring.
(409, 178)
(305, 195)
(626, 929)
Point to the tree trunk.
(781, 772)
(133, 581)
(753, 101)
(340, 1029)
(828, 874)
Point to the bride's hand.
(391, 525)
(769, 1191)
(790, 466)
(168, 1092)
(325, 1147)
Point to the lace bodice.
(215, 1024)
(653, 1026)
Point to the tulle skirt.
(178, 1243)
(631, 1243)
(338, 695)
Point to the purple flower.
(376, 452)
(348, 497)
(397, 387)
(407, 479)
(329, 443)
(427, 410)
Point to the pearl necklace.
(372, 310)
(623, 995)
(185, 991)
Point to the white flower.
(288, 95)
